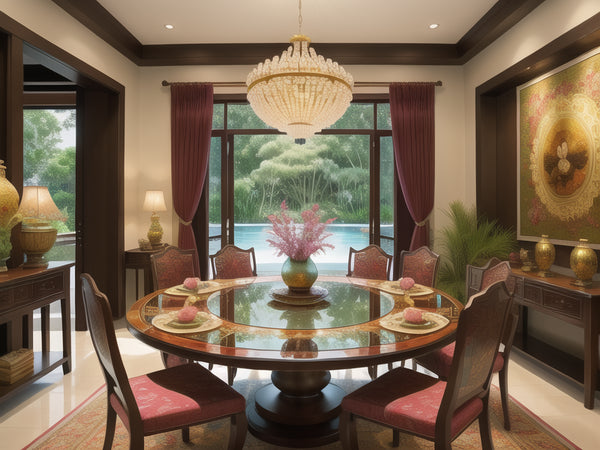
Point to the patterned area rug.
(84, 429)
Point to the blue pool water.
(333, 262)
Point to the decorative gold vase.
(544, 256)
(9, 198)
(299, 275)
(584, 263)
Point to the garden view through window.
(49, 160)
(348, 170)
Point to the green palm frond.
(469, 239)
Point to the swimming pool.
(333, 262)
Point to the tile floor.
(27, 415)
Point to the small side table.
(139, 259)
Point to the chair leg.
(185, 434)
(210, 366)
(231, 373)
(390, 366)
(372, 372)
(395, 437)
(502, 378)
(111, 421)
(484, 427)
(347, 427)
(136, 439)
(238, 427)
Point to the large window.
(347, 169)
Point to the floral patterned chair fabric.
(165, 400)
(431, 408)
(421, 265)
(370, 262)
(440, 361)
(173, 265)
(233, 262)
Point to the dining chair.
(440, 361)
(431, 408)
(233, 262)
(165, 400)
(421, 265)
(173, 265)
(370, 262)
(170, 267)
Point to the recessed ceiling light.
(169, 26)
(433, 26)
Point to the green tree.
(41, 135)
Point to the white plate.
(205, 286)
(395, 322)
(162, 321)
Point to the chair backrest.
(233, 262)
(421, 265)
(173, 265)
(481, 325)
(102, 331)
(370, 262)
(499, 272)
(475, 275)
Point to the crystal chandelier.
(300, 92)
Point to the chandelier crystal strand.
(299, 92)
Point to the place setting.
(414, 321)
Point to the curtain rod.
(241, 83)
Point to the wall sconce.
(155, 202)
(37, 234)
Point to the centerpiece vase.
(299, 276)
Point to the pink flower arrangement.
(299, 241)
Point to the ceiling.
(349, 31)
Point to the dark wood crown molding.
(501, 17)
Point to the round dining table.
(257, 323)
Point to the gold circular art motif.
(565, 157)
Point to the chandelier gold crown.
(299, 92)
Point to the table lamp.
(155, 202)
(37, 234)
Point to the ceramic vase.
(299, 276)
(544, 255)
(584, 262)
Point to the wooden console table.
(21, 292)
(559, 298)
(138, 259)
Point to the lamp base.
(155, 232)
(35, 242)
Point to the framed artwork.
(559, 154)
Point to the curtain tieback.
(423, 222)
(184, 222)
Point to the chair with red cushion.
(370, 262)
(173, 265)
(170, 267)
(233, 262)
(169, 399)
(421, 265)
(434, 409)
(439, 362)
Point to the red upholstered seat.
(415, 405)
(169, 399)
(431, 408)
(439, 362)
(370, 262)
(233, 262)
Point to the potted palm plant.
(469, 239)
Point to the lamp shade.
(37, 203)
(154, 201)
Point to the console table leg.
(65, 309)
(590, 369)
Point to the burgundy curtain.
(412, 113)
(191, 126)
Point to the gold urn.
(584, 262)
(544, 256)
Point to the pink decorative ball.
(187, 314)
(413, 315)
(406, 283)
(191, 283)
